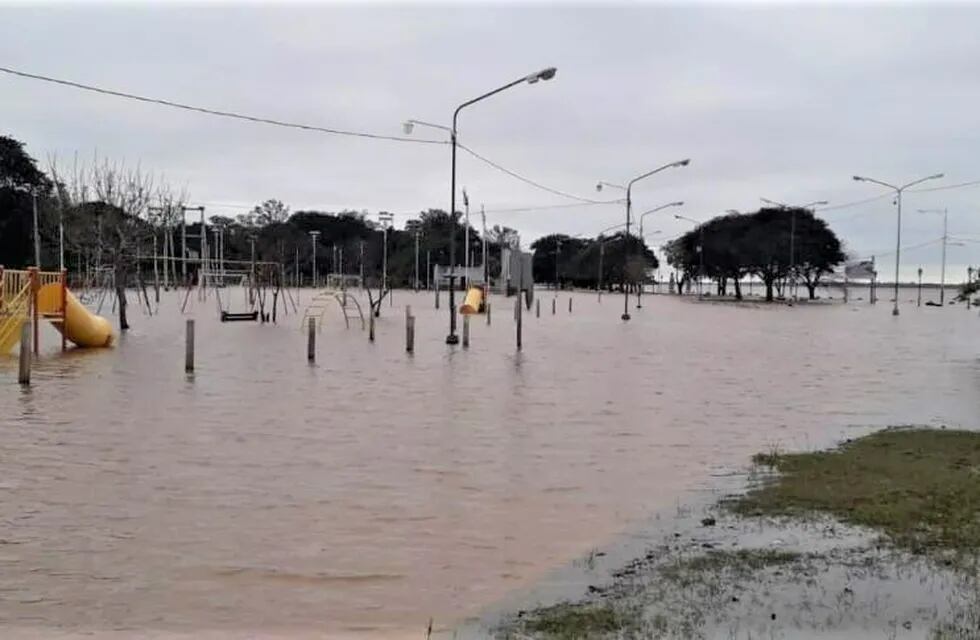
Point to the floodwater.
(362, 496)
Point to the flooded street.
(361, 496)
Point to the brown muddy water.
(362, 496)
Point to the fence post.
(466, 331)
(24, 372)
(311, 341)
(410, 334)
(520, 317)
(189, 348)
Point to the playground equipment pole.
(24, 370)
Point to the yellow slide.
(81, 326)
(473, 301)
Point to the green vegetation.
(567, 621)
(740, 562)
(758, 244)
(921, 487)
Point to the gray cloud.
(785, 102)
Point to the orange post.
(64, 309)
(32, 272)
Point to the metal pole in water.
(466, 331)
(311, 341)
(189, 348)
(24, 372)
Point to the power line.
(526, 180)
(553, 206)
(214, 112)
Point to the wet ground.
(375, 490)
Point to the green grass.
(572, 621)
(921, 487)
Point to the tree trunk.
(738, 289)
(121, 296)
(769, 283)
(812, 289)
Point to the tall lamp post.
(639, 290)
(544, 74)
(416, 261)
(792, 233)
(386, 221)
(700, 227)
(942, 274)
(898, 233)
(313, 237)
(629, 190)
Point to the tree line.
(776, 245)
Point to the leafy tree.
(269, 212)
(19, 178)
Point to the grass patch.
(739, 561)
(571, 621)
(921, 487)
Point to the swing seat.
(227, 316)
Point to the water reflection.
(375, 489)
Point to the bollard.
(537, 308)
(311, 341)
(189, 348)
(488, 314)
(24, 373)
(371, 327)
(520, 318)
(466, 331)
(410, 334)
(554, 305)
(569, 304)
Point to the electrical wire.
(281, 123)
(524, 179)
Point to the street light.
(313, 237)
(792, 233)
(544, 74)
(679, 203)
(386, 220)
(942, 276)
(629, 189)
(700, 227)
(898, 233)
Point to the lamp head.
(682, 163)
(544, 74)
(407, 127)
(598, 186)
(679, 203)
(859, 178)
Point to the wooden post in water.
(537, 308)
(410, 334)
(437, 294)
(24, 372)
(371, 326)
(569, 304)
(918, 297)
(311, 341)
(466, 331)
(189, 348)
(554, 305)
(518, 312)
(488, 314)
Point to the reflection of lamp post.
(545, 74)
(629, 189)
(898, 233)
(639, 290)
(700, 227)
(792, 233)
(942, 275)
(313, 237)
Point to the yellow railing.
(13, 313)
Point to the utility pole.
(486, 269)
(313, 237)
(466, 238)
(361, 264)
(557, 261)
(416, 260)
(37, 235)
(386, 221)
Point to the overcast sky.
(781, 101)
